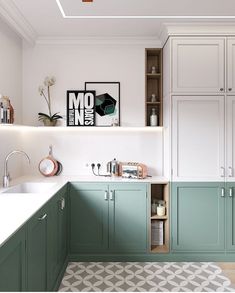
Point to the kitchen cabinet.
(57, 244)
(108, 217)
(198, 138)
(37, 251)
(230, 216)
(198, 213)
(198, 65)
(12, 263)
(231, 65)
(230, 139)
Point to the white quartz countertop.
(17, 208)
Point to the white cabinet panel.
(231, 65)
(198, 65)
(230, 138)
(198, 138)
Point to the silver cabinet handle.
(221, 89)
(230, 192)
(222, 172)
(230, 172)
(62, 203)
(42, 217)
(111, 195)
(106, 195)
(222, 192)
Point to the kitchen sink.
(30, 187)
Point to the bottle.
(11, 112)
(1, 112)
(153, 118)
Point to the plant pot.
(48, 122)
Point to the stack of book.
(157, 233)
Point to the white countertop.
(17, 208)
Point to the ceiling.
(45, 17)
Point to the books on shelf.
(157, 233)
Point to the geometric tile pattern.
(144, 276)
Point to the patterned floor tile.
(144, 277)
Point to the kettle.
(113, 167)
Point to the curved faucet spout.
(6, 177)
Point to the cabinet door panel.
(89, 218)
(128, 218)
(230, 217)
(197, 217)
(231, 65)
(198, 138)
(230, 137)
(12, 263)
(198, 65)
(37, 252)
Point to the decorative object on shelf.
(153, 98)
(153, 118)
(49, 166)
(153, 70)
(48, 120)
(161, 208)
(6, 110)
(107, 102)
(81, 108)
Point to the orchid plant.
(44, 91)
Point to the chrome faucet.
(6, 176)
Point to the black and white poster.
(81, 108)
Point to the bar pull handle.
(106, 195)
(62, 203)
(222, 172)
(111, 195)
(230, 192)
(230, 172)
(42, 217)
(222, 192)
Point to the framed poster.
(107, 102)
(81, 108)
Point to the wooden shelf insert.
(153, 103)
(155, 217)
(159, 249)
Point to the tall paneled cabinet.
(199, 89)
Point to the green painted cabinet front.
(128, 217)
(230, 216)
(108, 218)
(12, 263)
(57, 236)
(37, 251)
(88, 217)
(198, 216)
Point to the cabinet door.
(198, 138)
(230, 101)
(230, 217)
(88, 217)
(128, 217)
(231, 65)
(198, 65)
(12, 263)
(37, 252)
(57, 236)
(198, 216)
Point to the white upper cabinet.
(231, 65)
(198, 138)
(230, 143)
(198, 65)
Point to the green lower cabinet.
(37, 251)
(88, 217)
(230, 216)
(198, 217)
(128, 218)
(108, 218)
(12, 263)
(57, 247)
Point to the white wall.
(72, 65)
(10, 85)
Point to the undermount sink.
(30, 187)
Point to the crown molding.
(153, 42)
(196, 29)
(12, 16)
